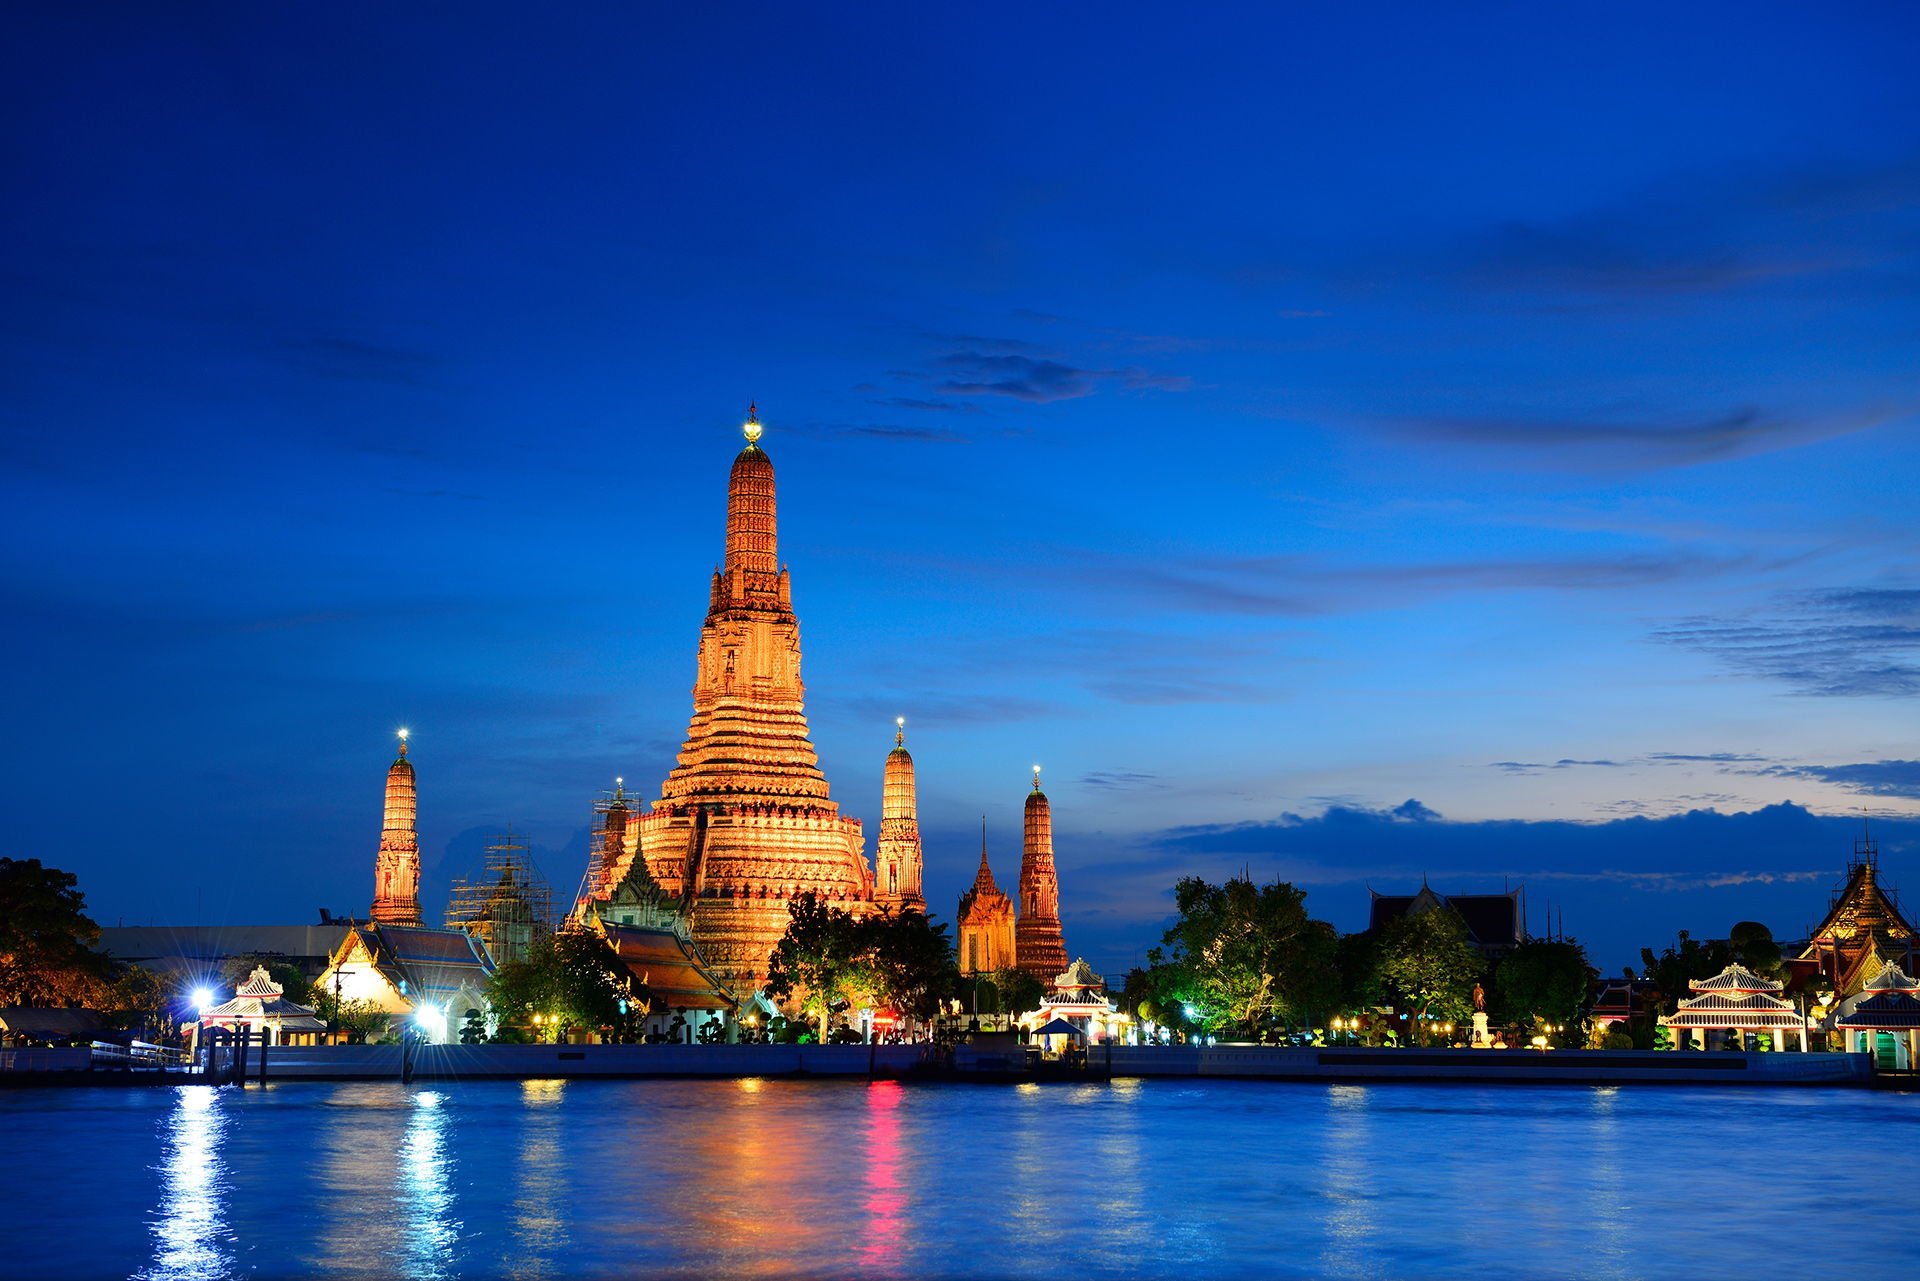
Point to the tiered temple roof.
(1863, 930)
(1040, 947)
(260, 1002)
(396, 869)
(744, 823)
(1890, 1002)
(1735, 999)
(1493, 921)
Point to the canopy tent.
(1059, 1027)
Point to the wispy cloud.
(1534, 767)
(1870, 778)
(1303, 587)
(1832, 643)
(1039, 379)
(1120, 780)
(1628, 444)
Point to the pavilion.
(260, 1006)
(1739, 1001)
(1884, 1019)
(1079, 998)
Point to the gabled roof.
(1889, 1011)
(1892, 978)
(1735, 998)
(433, 964)
(1862, 909)
(1492, 920)
(669, 964)
(1735, 978)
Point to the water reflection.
(191, 1237)
(1608, 1215)
(1348, 1169)
(886, 1199)
(540, 1201)
(426, 1188)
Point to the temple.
(1735, 1002)
(1039, 948)
(1495, 922)
(898, 859)
(985, 938)
(1864, 930)
(744, 823)
(396, 868)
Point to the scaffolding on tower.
(606, 847)
(509, 906)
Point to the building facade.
(986, 921)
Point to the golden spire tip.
(751, 429)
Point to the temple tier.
(744, 823)
(396, 868)
(898, 860)
(1040, 949)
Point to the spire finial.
(403, 742)
(751, 428)
(619, 788)
(1036, 778)
(899, 731)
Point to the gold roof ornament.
(751, 429)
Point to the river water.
(777, 1179)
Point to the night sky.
(1480, 444)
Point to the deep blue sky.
(1257, 419)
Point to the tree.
(1752, 945)
(1017, 992)
(46, 937)
(291, 978)
(1544, 979)
(473, 1027)
(1248, 957)
(358, 1020)
(1426, 967)
(569, 978)
(907, 962)
(1674, 969)
(818, 961)
(138, 1002)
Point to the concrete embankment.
(1581, 1067)
(1247, 1062)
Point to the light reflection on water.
(682, 1179)
(191, 1237)
(426, 1191)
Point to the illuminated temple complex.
(744, 823)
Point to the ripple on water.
(780, 1178)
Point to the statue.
(1479, 999)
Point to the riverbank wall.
(910, 1062)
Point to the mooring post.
(244, 1035)
(263, 1056)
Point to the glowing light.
(403, 735)
(431, 1019)
(751, 429)
(202, 998)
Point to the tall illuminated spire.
(1040, 948)
(898, 860)
(396, 868)
(745, 822)
(752, 536)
